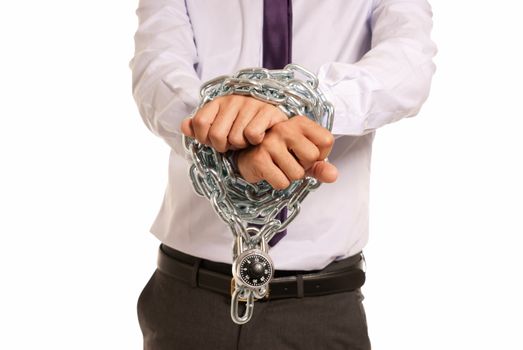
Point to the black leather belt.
(339, 276)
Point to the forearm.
(392, 80)
(165, 85)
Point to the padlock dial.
(255, 270)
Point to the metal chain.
(241, 204)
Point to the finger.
(274, 176)
(256, 166)
(245, 115)
(318, 135)
(203, 119)
(219, 130)
(323, 171)
(263, 120)
(306, 151)
(287, 163)
(186, 127)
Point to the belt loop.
(194, 275)
(299, 281)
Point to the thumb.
(186, 127)
(323, 171)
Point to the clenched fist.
(290, 150)
(232, 122)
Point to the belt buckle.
(266, 297)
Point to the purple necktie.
(277, 49)
(277, 33)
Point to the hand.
(232, 122)
(290, 150)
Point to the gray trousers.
(173, 315)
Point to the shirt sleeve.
(392, 80)
(165, 84)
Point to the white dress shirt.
(374, 63)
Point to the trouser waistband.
(342, 275)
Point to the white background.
(82, 180)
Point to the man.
(374, 62)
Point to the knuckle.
(328, 140)
(269, 142)
(216, 135)
(252, 103)
(236, 140)
(253, 135)
(267, 108)
(275, 114)
(199, 121)
(280, 128)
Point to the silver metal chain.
(241, 204)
